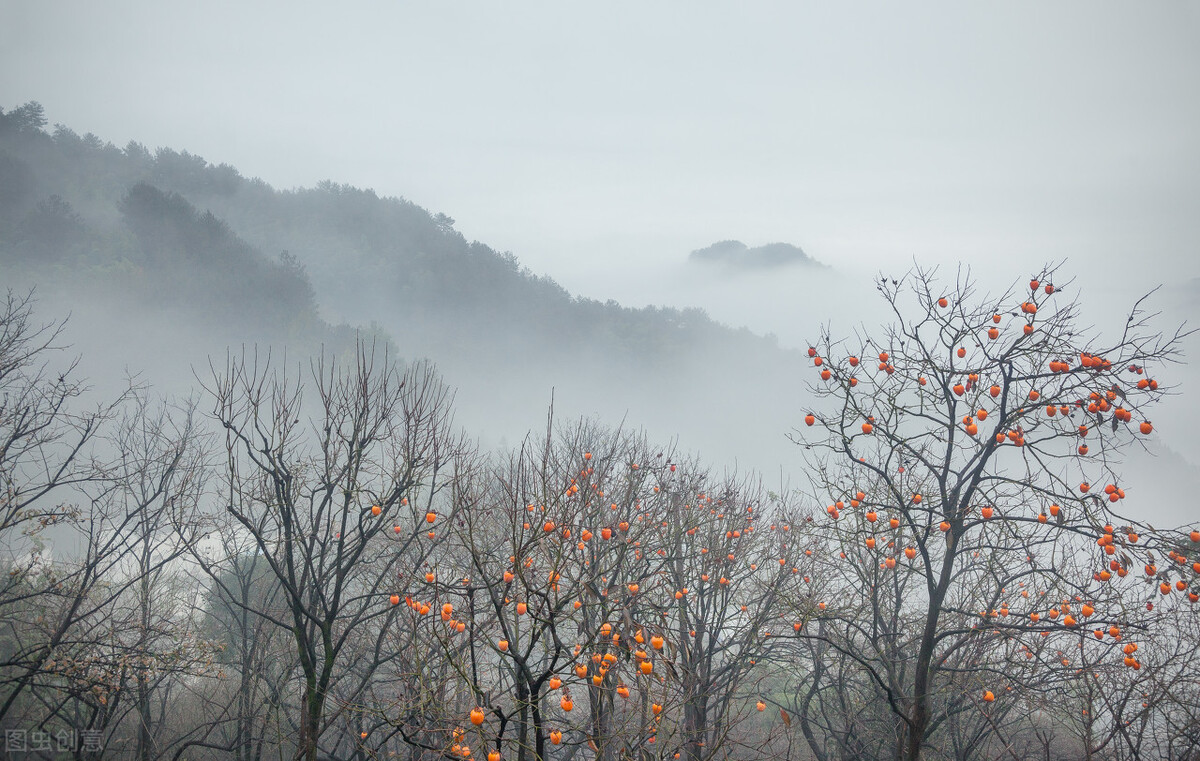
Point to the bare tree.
(44, 448)
(336, 508)
(88, 500)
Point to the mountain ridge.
(171, 238)
(737, 255)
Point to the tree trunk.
(145, 740)
(695, 714)
(539, 738)
(601, 720)
(310, 721)
(918, 719)
(522, 722)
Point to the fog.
(601, 146)
(734, 408)
(644, 247)
(588, 140)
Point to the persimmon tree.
(541, 579)
(596, 597)
(727, 559)
(970, 455)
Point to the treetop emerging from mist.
(737, 255)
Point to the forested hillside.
(168, 218)
(143, 229)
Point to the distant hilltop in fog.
(734, 253)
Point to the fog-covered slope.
(165, 243)
(165, 260)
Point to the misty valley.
(306, 474)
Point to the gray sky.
(602, 142)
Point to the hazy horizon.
(595, 143)
(601, 147)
